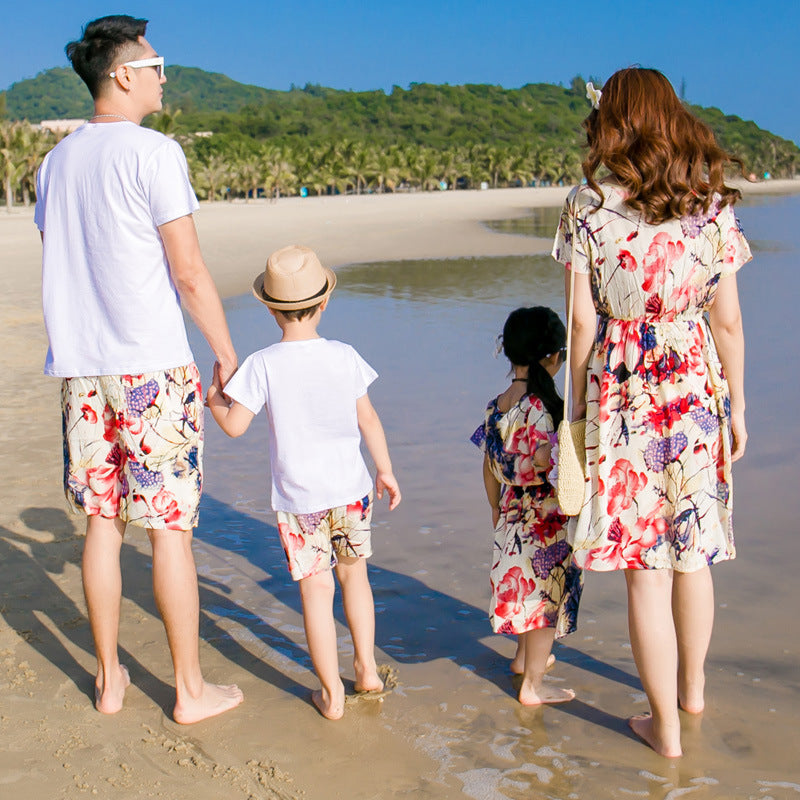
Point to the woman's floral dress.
(658, 442)
(534, 582)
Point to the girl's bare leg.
(534, 691)
(655, 651)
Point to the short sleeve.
(364, 374)
(572, 250)
(248, 385)
(168, 189)
(38, 211)
(733, 251)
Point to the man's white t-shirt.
(310, 390)
(110, 306)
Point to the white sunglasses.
(157, 62)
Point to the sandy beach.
(445, 731)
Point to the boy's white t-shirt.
(310, 389)
(110, 306)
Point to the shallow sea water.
(452, 727)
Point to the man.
(120, 254)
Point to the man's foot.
(668, 746)
(330, 707)
(530, 695)
(518, 663)
(690, 697)
(213, 699)
(109, 694)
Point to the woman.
(655, 247)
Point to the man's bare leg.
(359, 609)
(178, 602)
(693, 610)
(102, 587)
(317, 592)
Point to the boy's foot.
(109, 694)
(530, 696)
(642, 726)
(518, 664)
(213, 699)
(330, 708)
(368, 681)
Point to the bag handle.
(574, 222)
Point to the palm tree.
(210, 174)
(165, 121)
(12, 158)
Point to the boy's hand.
(387, 481)
(215, 392)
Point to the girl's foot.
(666, 744)
(330, 707)
(518, 663)
(109, 694)
(530, 695)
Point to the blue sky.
(741, 56)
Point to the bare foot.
(108, 695)
(690, 697)
(330, 708)
(518, 663)
(368, 680)
(530, 695)
(213, 699)
(642, 726)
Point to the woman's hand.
(495, 516)
(739, 435)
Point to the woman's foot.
(690, 695)
(213, 699)
(110, 693)
(665, 743)
(530, 695)
(331, 707)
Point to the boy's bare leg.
(178, 602)
(693, 611)
(359, 609)
(655, 651)
(534, 691)
(102, 587)
(316, 592)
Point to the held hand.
(739, 434)
(224, 372)
(578, 410)
(387, 481)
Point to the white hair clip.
(593, 95)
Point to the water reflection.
(539, 222)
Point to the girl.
(535, 586)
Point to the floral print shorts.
(313, 542)
(133, 446)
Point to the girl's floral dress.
(658, 442)
(534, 582)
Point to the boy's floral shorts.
(313, 542)
(133, 446)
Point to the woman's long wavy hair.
(529, 335)
(666, 159)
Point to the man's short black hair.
(94, 55)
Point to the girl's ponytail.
(541, 384)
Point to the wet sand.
(451, 727)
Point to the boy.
(315, 393)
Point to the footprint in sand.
(388, 675)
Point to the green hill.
(427, 115)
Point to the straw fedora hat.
(294, 279)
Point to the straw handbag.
(571, 435)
